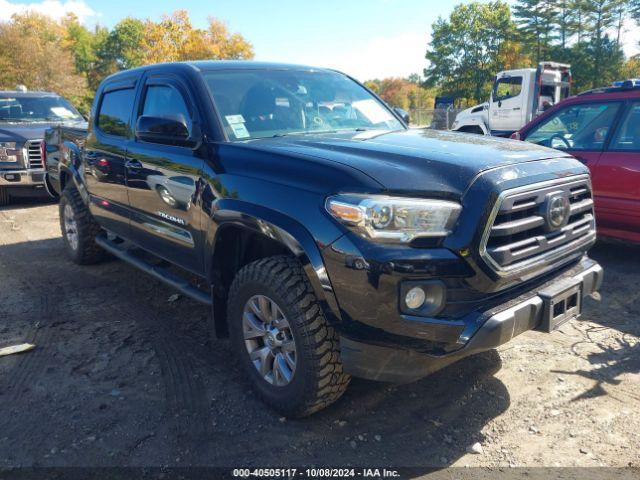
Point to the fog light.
(415, 298)
(422, 298)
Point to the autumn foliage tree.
(34, 52)
(403, 93)
(68, 58)
(174, 38)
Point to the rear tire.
(310, 375)
(5, 198)
(79, 228)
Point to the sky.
(364, 38)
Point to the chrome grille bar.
(519, 233)
(34, 154)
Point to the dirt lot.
(122, 376)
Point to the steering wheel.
(318, 122)
(563, 140)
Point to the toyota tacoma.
(329, 239)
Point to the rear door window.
(627, 137)
(115, 112)
(576, 127)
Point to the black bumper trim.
(389, 364)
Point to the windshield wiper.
(304, 132)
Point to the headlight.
(8, 152)
(394, 219)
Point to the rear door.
(505, 110)
(105, 156)
(616, 179)
(162, 179)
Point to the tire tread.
(321, 342)
(89, 252)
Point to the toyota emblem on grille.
(558, 208)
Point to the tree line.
(465, 51)
(70, 59)
(480, 39)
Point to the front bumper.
(21, 178)
(497, 326)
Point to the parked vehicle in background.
(24, 116)
(517, 97)
(601, 128)
(329, 238)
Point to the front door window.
(627, 138)
(576, 127)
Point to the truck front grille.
(34, 154)
(524, 229)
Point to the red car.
(601, 128)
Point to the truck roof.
(201, 65)
(625, 89)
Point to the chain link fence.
(436, 118)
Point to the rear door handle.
(133, 165)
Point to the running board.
(162, 274)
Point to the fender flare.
(71, 154)
(283, 229)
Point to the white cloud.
(53, 8)
(378, 57)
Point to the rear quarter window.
(115, 112)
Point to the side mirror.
(402, 114)
(169, 130)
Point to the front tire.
(79, 228)
(286, 346)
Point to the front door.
(162, 181)
(105, 157)
(616, 179)
(505, 110)
(581, 129)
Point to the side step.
(162, 274)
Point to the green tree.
(634, 12)
(601, 15)
(537, 20)
(586, 74)
(465, 51)
(124, 43)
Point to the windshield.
(267, 103)
(19, 108)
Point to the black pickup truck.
(329, 238)
(24, 117)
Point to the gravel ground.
(123, 376)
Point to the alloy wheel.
(269, 340)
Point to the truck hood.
(477, 113)
(412, 160)
(21, 132)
